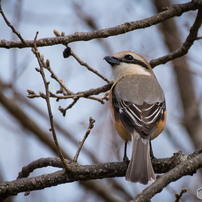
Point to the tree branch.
(185, 46)
(176, 164)
(47, 98)
(97, 171)
(91, 125)
(11, 26)
(82, 63)
(175, 10)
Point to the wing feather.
(142, 118)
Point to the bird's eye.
(128, 57)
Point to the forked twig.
(61, 82)
(91, 125)
(63, 110)
(178, 196)
(46, 97)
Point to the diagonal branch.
(82, 63)
(11, 26)
(185, 46)
(91, 125)
(175, 10)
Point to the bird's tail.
(140, 168)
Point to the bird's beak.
(112, 60)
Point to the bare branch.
(65, 90)
(95, 91)
(175, 10)
(160, 165)
(46, 84)
(91, 125)
(100, 99)
(11, 26)
(63, 110)
(185, 46)
(179, 167)
(77, 172)
(85, 94)
(88, 67)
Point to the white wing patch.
(143, 118)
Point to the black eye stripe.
(134, 61)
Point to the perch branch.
(178, 166)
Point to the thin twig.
(11, 26)
(81, 62)
(91, 125)
(178, 196)
(63, 110)
(53, 75)
(85, 94)
(99, 99)
(95, 91)
(75, 99)
(46, 84)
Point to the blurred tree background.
(24, 122)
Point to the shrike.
(138, 109)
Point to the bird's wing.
(141, 116)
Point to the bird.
(138, 108)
